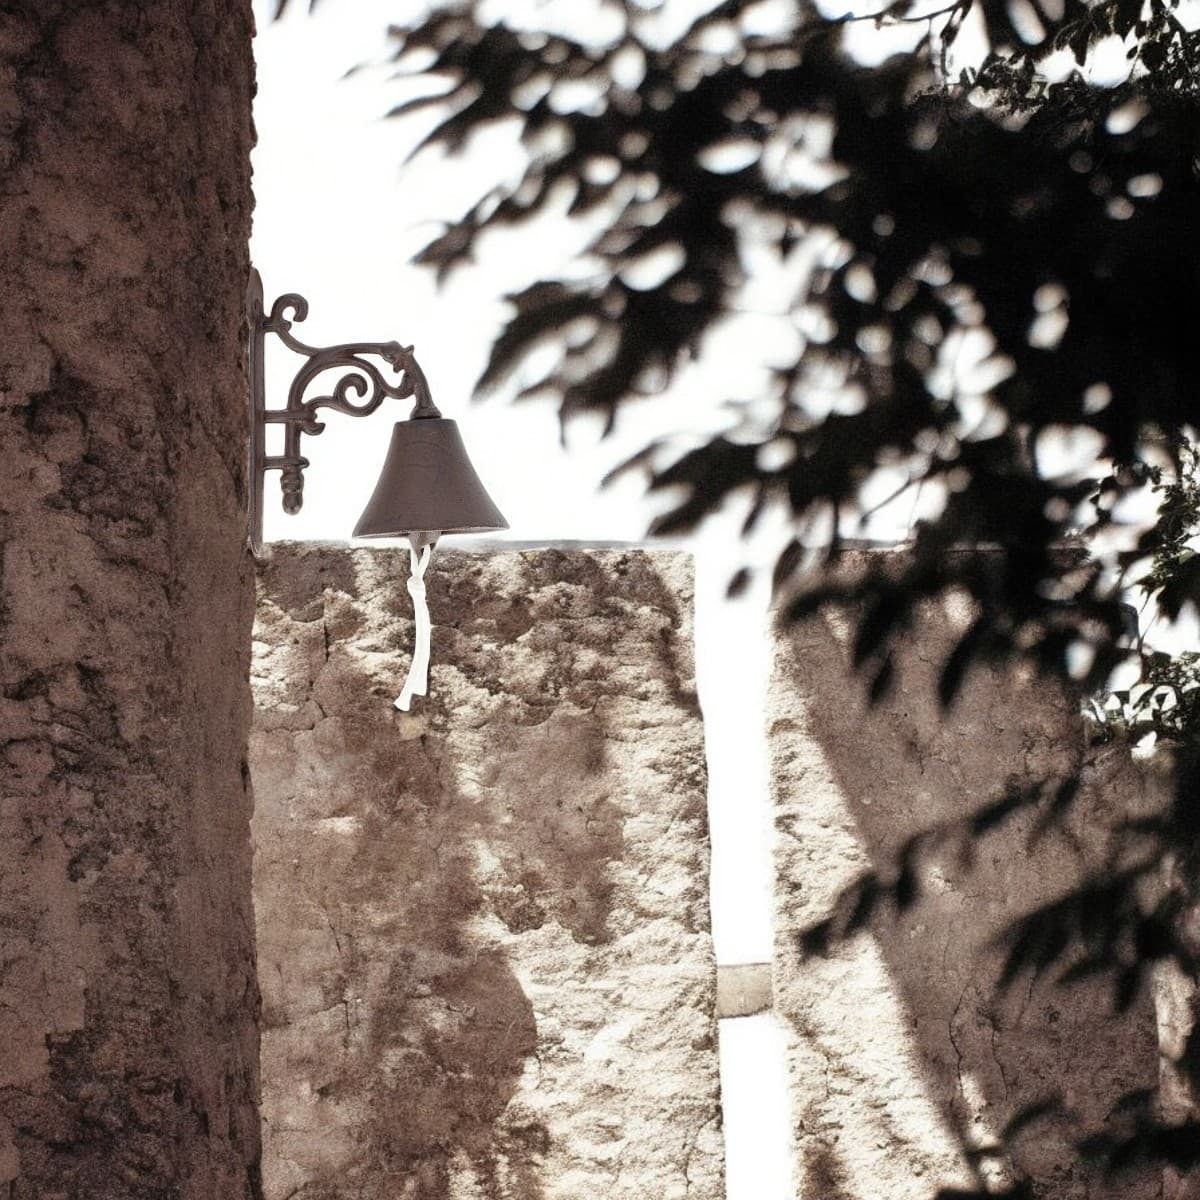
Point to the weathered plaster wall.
(903, 1061)
(483, 926)
(127, 980)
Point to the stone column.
(127, 983)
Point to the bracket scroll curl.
(362, 379)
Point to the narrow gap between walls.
(733, 662)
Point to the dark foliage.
(1060, 219)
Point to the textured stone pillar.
(483, 925)
(128, 998)
(904, 1062)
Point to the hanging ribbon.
(417, 683)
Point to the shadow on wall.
(398, 858)
(435, 1058)
(904, 1023)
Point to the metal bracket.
(299, 417)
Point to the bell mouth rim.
(403, 533)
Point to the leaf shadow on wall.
(420, 894)
(980, 1055)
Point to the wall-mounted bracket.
(362, 379)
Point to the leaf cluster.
(1165, 701)
(1053, 224)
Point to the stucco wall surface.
(128, 996)
(904, 1061)
(483, 925)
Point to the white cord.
(417, 683)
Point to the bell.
(428, 485)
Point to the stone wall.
(483, 925)
(904, 1062)
(128, 1000)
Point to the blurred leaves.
(1100, 928)
(873, 896)
(1052, 221)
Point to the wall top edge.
(480, 545)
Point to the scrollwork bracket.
(362, 379)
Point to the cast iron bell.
(428, 485)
